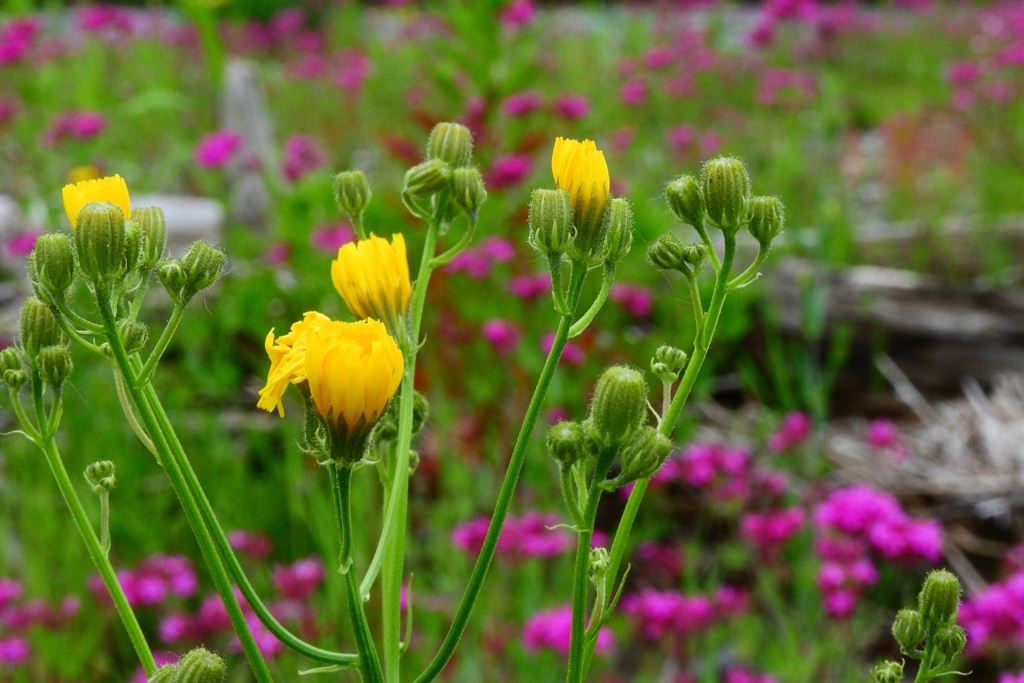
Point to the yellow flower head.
(287, 361)
(110, 189)
(372, 276)
(353, 370)
(579, 168)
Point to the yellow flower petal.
(372, 276)
(287, 361)
(110, 189)
(580, 169)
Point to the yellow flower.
(372, 276)
(353, 370)
(287, 361)
(110, 189)
(580, 169)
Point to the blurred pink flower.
(710, 143)
(509, 170)
(963, 74)
(573, 353)
(530, 287)
(769, 531)
(633, 94)
(330, 238)
(793, 431)
(300, 579)
(478, 262)
(17, 37)
(681, 137)
(217, 149)
(622, 138)
(14, 651)
(301, 157)
(522, 104)
(20, 245)
(255, 545)
(881, 433)
(10, 590)
(77, 125)
(550, 630)
(659, 57)
(517, 13)
(502, 335)
(277, 253)
(636, 300)
(571, 107)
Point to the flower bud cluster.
(447, 168)
(198, 269)
(197, 666)
(101, 476)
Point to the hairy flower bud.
(452, 143)
(200, 666)
(686, 200)
(420, 411)
(939, 600)
(666, 253)
(172, 277)
(9, 360)
(620, 230)
(54, 365)
(468, 191)
(644, 455)
(54, 262)
(352, 193)
(201, 265)
(618, 406)
(134, 334)
(101, 476)
(134, 242)
(767, 219)
(39, 327)
(695, 255)
(668, 363)
(165, 674)
(16, 379)
(428, 178)
(597, 569)
(100, 241)
(950, 641)
(566, 442)
(726, 189)
(551, 228)
(908, 629)
(887, 672)
(154, 229)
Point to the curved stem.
(607, 278)
(706, 239)
(508, 486)
(747, 275)
(146, 373)
(98, 555)
(698, 306)
(27, 425)
(87, 325)
(129, 413)
(454, 250)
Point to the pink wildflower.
(301, 157)
(573, 353)
(255, 545)
(522, 104)
(633, 93)
(636, 300)
(330, 238)
(502, 335)
(14, 651)
(508, 171)
(550, 630)
(218, 149)
(530, 287)
(300, 579)
(571, 107)
(517, 13)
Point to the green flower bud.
(939, 600)
(165, 674)
(620, 230)
(566, 443)
(134, 335)
(39, 327)
(101, 476)
(551, 228)
(352, 193)
(200, 666)
(644, 455)
(468, 191)
(908, 629)
(686, 200)
(950, 641)
(54, 365)
(618, 407)
(668, 362)
(134, 241)
(172, 277)
(420, 411)
(201, 265)
(100, 241)
(428, 178)
(451, 143)
(726, 189)
(154, 229)
(9, 360)
(54, 262)
(597, 569)
(767, 219)
(695, 255)
(16, 379)
(887, 672)
(666, 253)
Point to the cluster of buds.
(446, 175)
(101, 476)
(43, 352)
(929, 633)
(197, 666)
(668, 363)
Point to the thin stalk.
(341, 486)
(698, 306)
(924, 672)
(747, 276)
(105, 522)
(557, 295)
(129, 413)
(27, 425)
(98, 555)
(508, 487)
(702, 230)
(62, 305)
(607, 278)
(174, 472)
(139, 295)
(453, 251)
(149, 368)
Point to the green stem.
(698, 306)
(146, 374)
(87, 325)
(341, 485)
(174, 472)
(454, 250)
(747, 275)
(607, 278)
(555, 266)
(706, 239)
(98, 555)
(508, 487)
(27, 425)
(105, 522)
(924, 672)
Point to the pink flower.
(301, 157)
(658, 613)
(881, 434)
(571, 107)
(218, 149)
(963, 74)
(85, 125)
(479, 261)
(330, 238)
(469, 536)
(300, 579)
(769, 531)
(633, 93)
(573, 353)
(20, 245)
(255, 545)
(522, 104)
(502, 335)
(518, 13)
(17, 37)
(793, 431)
(636, 300)
(660, 558)
(622, 138)
(530, 287)
(532, 535)
(508, 171)
(105, 19)
(710, 143)
(763, 34)
(659, 57)
(10, 590)
(681, 137)
(14, 651)
(174, 628)
(550, 629)
(277, 253)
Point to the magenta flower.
(793, 431)
(550, 629)
(681, 137)
(479, 261)
(517, 13)
(522, 104)
(218, 149)
(277, 253)
(530, 287)
(655, 614)
(85, 125)
(301, 157)
(769, 531)
(633, 93)
(330, 238)
(255, 545)
(660, 559)
(17, 38)
(20, 245)
(14, 651)
(10, 590)
(300, 579)
(508, 171)
(710, 143)
(571, 107)
(636, 300)
(881, 433)
(658, 58)
(105, 19)
(502, 335)
(963, 74)
(532, 535)
(573, 353)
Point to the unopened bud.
(101, 476)
(134, 241)
(16, 379)
(154, 229)
(428, 178)
(54, 262)
(908, 629)
(39, 327)
(620, 230)
(9, 360)
(950, 641)
(468, 191)
(551, 228)
(54, 365)
(134, 335)
(352, 192)
(200, 666)
(767, 219)
(201, 265)
(644, 455)
(100, 241)
(420, 411)
(618, 406)
(172, 277)
(600, 561)
(686, 200)
(165, 674)
(726, 189)
(452, 143)
(939, 600)
(566, 442)
(887, 672)
(668, 362)
(695, 255)
(666, 253)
